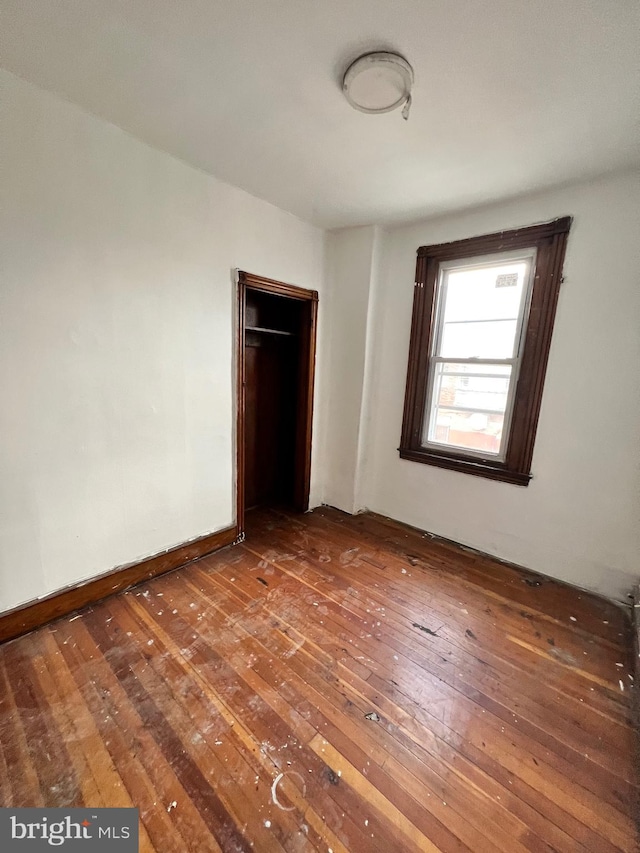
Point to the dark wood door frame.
(304, 417)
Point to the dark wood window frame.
(549, 240)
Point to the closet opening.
(276, 360)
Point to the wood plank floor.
(333, 684)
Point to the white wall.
(116, 342)
(349, 269)
(579, 519)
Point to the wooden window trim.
(549, 239)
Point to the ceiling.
(510, 96)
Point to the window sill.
(492, 471)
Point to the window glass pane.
(485, 339)
(468, 405)
(479, 310)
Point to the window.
(482, 320)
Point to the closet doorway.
(276, 361)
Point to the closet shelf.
(268, 331)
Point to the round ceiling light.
(378, 83)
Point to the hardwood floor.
(333, 684)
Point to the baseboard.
(36, 613)
(635, 698)
(532, 573)
(636, 634)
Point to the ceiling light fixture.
(378, 83)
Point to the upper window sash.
(528, 256)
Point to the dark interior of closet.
(273, 338)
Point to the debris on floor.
(426, 630)
(274, 790)
(332, 776)
(563, 656)
(372, 716)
